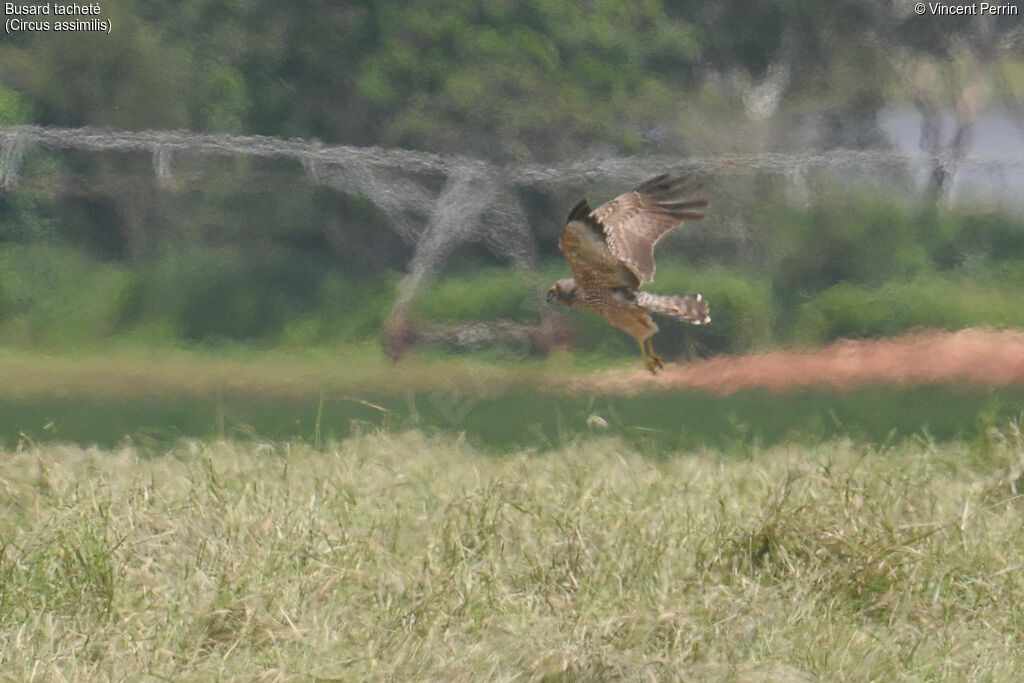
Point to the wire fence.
(478, 199)
(164, 144)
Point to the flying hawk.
(610, 251)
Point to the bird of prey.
(610, 251)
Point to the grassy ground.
(157, 397)
(414, 557)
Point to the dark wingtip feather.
(668, 192)
(692, 204)
(579, 212)
(657, 184)
(665, 186)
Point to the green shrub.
(863, 243)
(14, 107)
(205, 296)
(209, 296)
(993, 235)
(353, 309)
(1003, 272)
(873, 240)
(25, 217)
(486, 294)
(949, 302)
(55, 297)
(865, 268)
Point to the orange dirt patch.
(970, 356)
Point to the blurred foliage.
(14, 108)
(866, 243)
(507, 79)
(943, 302)
(227, 250)
(481, 294)
(897, 270)
(58, 298)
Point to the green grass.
(404, 556)
(155, 398)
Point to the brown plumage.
(610, 251)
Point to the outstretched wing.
(585, 246)
(633, 222)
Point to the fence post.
(162, 165)
(12, 149)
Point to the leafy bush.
(212, 296)
(488, 293)
(990, 235)
(951, 303)
(353, 309)
(55, 297)
(14, 107)
(874, 270)
(873, 240)
(865, 243)
(24, 217)
(207, 296)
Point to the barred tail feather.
(693, 308)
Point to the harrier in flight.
(610, 251)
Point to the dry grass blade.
(403, 556)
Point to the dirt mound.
(970, 356)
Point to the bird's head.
(562, 292)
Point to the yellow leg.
(654, 357)
(651, 360)
(648, 363)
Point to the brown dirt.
(970, 356)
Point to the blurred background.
(390, 178)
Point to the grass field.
(157, 397)
(172, 514)
(406, 556)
